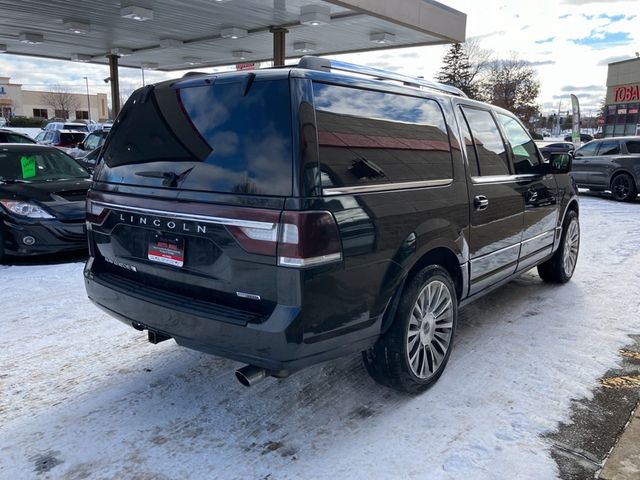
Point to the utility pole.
(142, 70)
(86, 80)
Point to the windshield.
(38, 166)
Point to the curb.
(624, 461)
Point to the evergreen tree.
(457, 71)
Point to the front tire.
(560, 267)
(623, 188)
(412, 354)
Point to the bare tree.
(61, 100)
(478, 57)
(512, 84)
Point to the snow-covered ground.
(84, 396)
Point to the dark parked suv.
(288, 216)
(609, 164)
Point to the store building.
(623, 99)
(15, 101)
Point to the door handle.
(480, 202)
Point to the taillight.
(307, 239)
(300, 239)
(95, 213)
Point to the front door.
(539, 193)
(583, 163)
(497, 207)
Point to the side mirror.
(560, 162)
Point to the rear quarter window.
(633, 146)
(367, 137)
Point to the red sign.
(626, 93)
(245, 66)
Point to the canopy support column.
(115, 85)
(279, 35)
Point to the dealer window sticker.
(28, 164)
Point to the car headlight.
(25, 209)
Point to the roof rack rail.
(327, 65)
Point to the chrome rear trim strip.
(384, 187)
(235, 222)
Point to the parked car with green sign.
(42, 198)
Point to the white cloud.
(501, 26)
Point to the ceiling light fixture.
(80, 57)
(241, 54)
(133, 12)
(233, 32)
(149, 65)
(304, 47)
(121, 51)
(170, 43)
(315, 15)
(382, 38)
(79, 28)
(192, 60)
(31, 38)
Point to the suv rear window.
(240, 133)
(368, 137)
(71, 137)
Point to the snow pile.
(84, 396)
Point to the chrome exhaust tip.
(249, 375)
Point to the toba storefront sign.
(626, 93)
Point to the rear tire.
(560, 267)
(623, 188)
(412, 354)
(2, 254)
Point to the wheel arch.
(618, 171)
(442, 256)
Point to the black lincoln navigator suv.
(287, 216)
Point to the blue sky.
(568, 43)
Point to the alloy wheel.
(430, 329)
(621, 188)
(571, 245)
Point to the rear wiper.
(170, 179)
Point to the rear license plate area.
(166, 249)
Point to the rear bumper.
(50, 236)
(275, 344)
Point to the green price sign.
(28, 164)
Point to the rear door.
(497, 208)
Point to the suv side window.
(469, 148)
(633, 146)
(588, 150)
(609, 147)
(92, 141)
(490, 149)
(525, 153)
(367, 137)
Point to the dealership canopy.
(177, 35)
